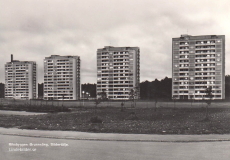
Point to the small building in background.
(62, 78)
(20, 79)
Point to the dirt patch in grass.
(35, 108)
(139, 121)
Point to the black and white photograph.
(114, 80)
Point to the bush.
(132, 116)
(96, 120)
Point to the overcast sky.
(34, 29)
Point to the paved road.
(111, 150)
(74, 135)
(87, 146)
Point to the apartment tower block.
(62, 77)
(118, 72)
(197, 63)
(20, 79)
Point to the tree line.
(156, 89)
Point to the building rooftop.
(58, 56)
(190, 37)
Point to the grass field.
(87, 103)
(185, 118)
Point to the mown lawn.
(139, 121)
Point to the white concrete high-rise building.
(20, 79)
(62, 78)
(118, 72)
(197, 63)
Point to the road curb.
(122, 140)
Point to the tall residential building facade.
(20, 79)
(197, 63)
(62, 77)
(118, 72)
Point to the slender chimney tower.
(12, 59)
